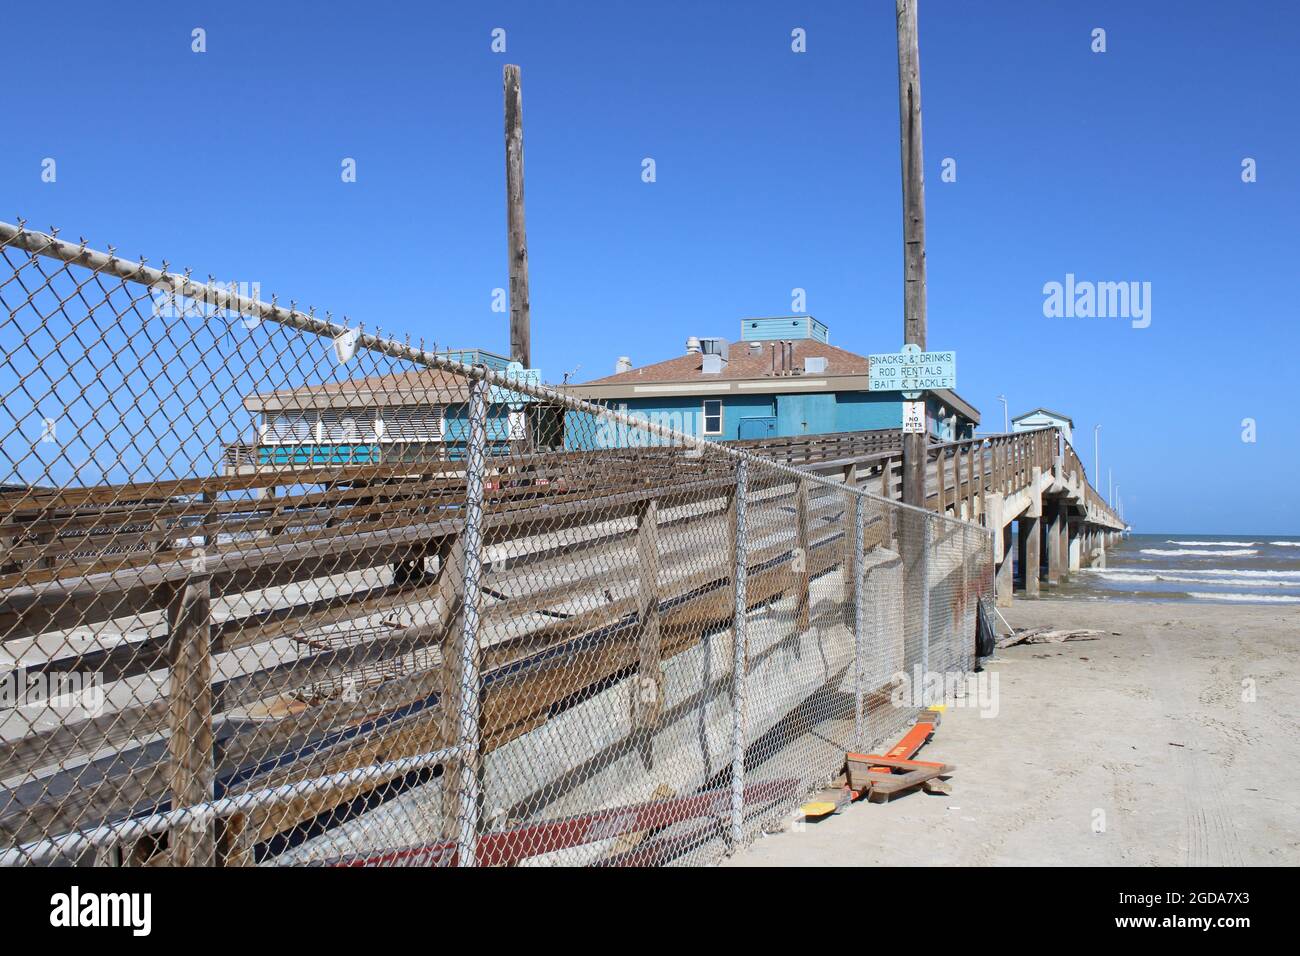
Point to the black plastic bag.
(986, 638)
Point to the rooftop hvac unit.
(715, 346)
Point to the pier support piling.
(1031, 553)
(1031, 534)
(1054, 545)
(1005, 578)
(1063, 542)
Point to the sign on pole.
(914, 418)
(515, 372)
(912, 370)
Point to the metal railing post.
(925, 599)
(859, 602)
(467, 740)
(738, 664)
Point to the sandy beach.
(1172, 741)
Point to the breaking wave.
(1225, 544)
(1230, 553)
(1235, 581)
(1252, 598)
(1223, 572)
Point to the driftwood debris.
(1049, 635)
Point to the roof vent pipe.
(693, 346)
(624, 364)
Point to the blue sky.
(775, 170)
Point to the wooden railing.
(357, 519)
(68, 532)
(963, 473)
(83, 557)
(1096, 504)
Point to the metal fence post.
(738, 664)
(467, 740)
(859, 677)
(925, 600)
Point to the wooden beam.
(520, 333)
(941, 478)
(850, 545)
(647, 702)
(914, 295)
(190, 771)
(802, 555)
(451, 601)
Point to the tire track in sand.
(1209, 835)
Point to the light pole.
(1006, 422)
(1110, 481)
(1096, 452)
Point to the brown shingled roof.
(416, 387)
(743, 363)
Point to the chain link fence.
(276, 590)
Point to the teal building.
(403, 417)
(782, 378)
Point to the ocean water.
(1222, 569)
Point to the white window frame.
(310, 422)
(398, 428)
(330, 429)
(705, 416)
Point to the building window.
(413, 423)
(289, 427)
(712, 416)
(339, 425)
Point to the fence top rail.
(42, 244)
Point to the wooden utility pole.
(520, 338)
(914, 320)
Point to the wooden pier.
(343, 580)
